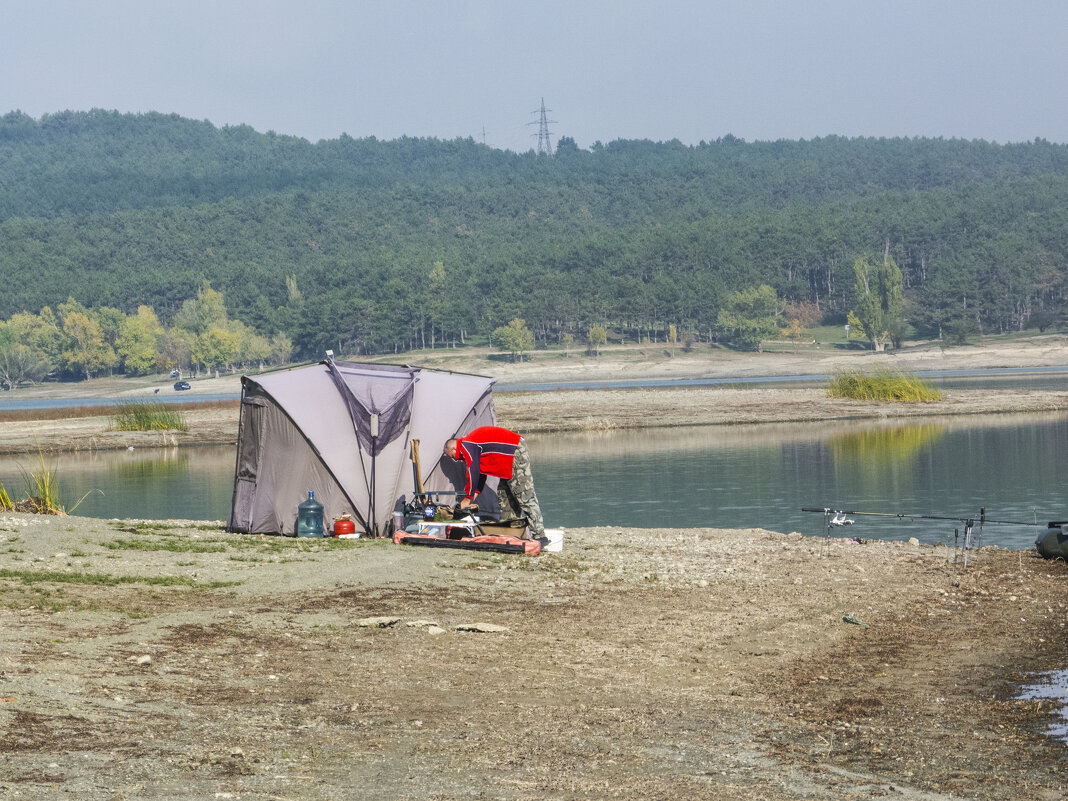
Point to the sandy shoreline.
(596, 409)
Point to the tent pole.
(416, 468)
(374, 450)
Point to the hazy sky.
(608, 69)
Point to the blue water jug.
(310, 517)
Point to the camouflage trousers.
(516, 495)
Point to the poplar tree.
(880, 299)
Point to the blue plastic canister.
(310, 517)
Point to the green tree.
(202, 313)
(795, 331)
(111, 322)
(750, 316)
(177, 350)
(596, 338)
(281, 349)
(86, 350)
(515, 338)
(20, 364)
(880, 299)
(437, 299)
(139, 342)
(40, 332)
(251, 347)
(215, 348)
(856, 327)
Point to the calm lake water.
(719, 476)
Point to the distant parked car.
(175, 374)
(180, 385)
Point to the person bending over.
(496, 451)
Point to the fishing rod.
(838, 517)
(911, 516)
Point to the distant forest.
(369, 246)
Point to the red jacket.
(486, 451)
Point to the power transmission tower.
(545, 145)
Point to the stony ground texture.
(169, 659)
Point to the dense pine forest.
(137, 242)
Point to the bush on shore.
(883, 386)
(139, 416)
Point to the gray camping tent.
(343, 429)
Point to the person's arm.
(476, 480)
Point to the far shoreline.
(700, 388)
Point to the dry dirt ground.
(169, 659)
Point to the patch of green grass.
(883, 386)
(158, 530)
(164, 530)
(259, 543)
(174, 546)
(336, 544)
(106, 580)
(148, 416)
(298, 545)
(134, 613)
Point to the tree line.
(76, 342)
(365, 246)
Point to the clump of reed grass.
(148, 416)
(5, 500)
(43, 492)
(42, 489)
(883, 386)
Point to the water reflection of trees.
(160, 462)
(883, 447)
(92, 469)
(870, 436)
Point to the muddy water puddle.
(1052, 686)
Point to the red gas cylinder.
(344, 526)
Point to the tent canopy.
(344, 430)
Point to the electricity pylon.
(545, 145)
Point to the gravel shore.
(172, 659)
